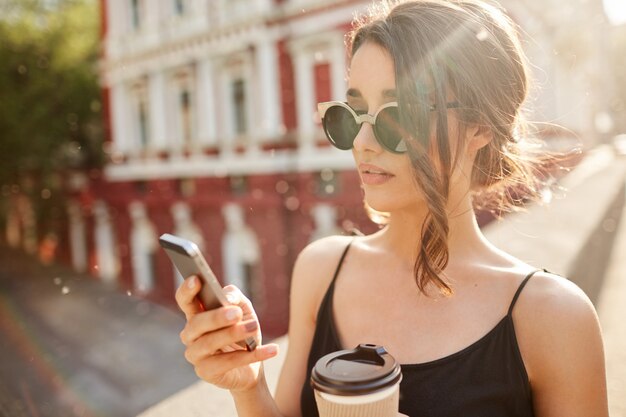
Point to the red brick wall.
(287, 86)
(322, 82)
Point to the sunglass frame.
(322, 108)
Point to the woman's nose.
(365, 140)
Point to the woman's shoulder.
(552, 297)
(318, 261)
(315, 267)
(553, 319)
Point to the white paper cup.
(362, 382)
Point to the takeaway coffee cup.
(363, 382)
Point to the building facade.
(213, 137)
(212, 134)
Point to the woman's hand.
(211, 338)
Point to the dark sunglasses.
(342, 123)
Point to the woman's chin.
(389, 202)
(381, 207)
(378, 217)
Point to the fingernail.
(271, 349)
(192, 282)
(231, 314)
(251, 326)
(231, 298)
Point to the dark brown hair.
(471, 49)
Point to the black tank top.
(487, 378)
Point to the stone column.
(114, 25)
(253, 85)
(156, 99)
(240, 247)
(338, 70)
(108, 266)
(142, 241)
(305, 85)
(227, 134)
(263, 6)
(268, 101)
(172, 116)
(325, 218)
(119, 17)
(151, 15)
(205, 99)
(198, 7)
(120, 118)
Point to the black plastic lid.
(366, 369)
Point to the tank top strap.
(343, 256)
(324, 313)
(521, 287)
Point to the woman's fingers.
(209, 321)
(215, 342)
(212, 337)
(215, 366)
(236, 297)
(233, 294)
(186, 297)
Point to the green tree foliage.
(49, 94)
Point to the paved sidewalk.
(612, 311)
(73, 347)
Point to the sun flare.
(615, 11)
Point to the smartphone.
(187, 258)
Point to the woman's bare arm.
(312, 274)
(560, 340)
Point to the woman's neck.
(466, 242)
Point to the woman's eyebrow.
(387, 93)
(353, 92)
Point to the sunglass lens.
(340, 127)
(388, 130)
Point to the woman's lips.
(373, 175)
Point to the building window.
(143, 123)
(249, 281)
(140, 116)
(322, 81)
(135, 13)
(141, 187)
(239, 106)
(185, 114)
(186, 187)
(183, 108)
(238, 185)
(179, 7)
(241, 254)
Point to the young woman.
(433, 121)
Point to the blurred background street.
(72, 346)
(122, 120)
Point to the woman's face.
(387, 178)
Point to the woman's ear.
(478, 136)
